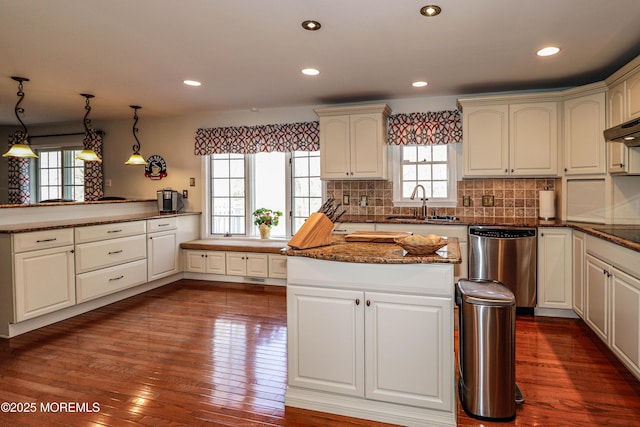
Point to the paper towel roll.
(547, 204)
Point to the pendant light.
(87, 155)
(21, 147)
(136, 158)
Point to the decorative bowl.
(414, 246)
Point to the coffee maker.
(167, 200)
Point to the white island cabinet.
(371, 340)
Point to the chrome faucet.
(424, 198)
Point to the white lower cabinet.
(612, 299)
(554, 268)
(44, 281)
(162, 254)
(247, 264)
(597, 296)
(625, 319)
(359, 344)
(212, 262)
(277, 266)
(105, 281)
(578, 277)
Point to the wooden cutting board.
(375, 236)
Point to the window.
(60, 175)
(431, 166)
(240, 184)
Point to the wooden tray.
(375, 236)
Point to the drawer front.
(35, 240)
(110, 231)
(95, 255)
(109, 280)
(162, 224)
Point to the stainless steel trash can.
(487, 319)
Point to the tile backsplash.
(512, 197)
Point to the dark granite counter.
(377, 253)
(82, 222)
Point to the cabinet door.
(533, 135)
(162, 253)
(625, 319)
(578, 251)
(404, 365)
(325, 330)
(617, 111)
(215, 262)
(257, 265)
(597, 297)
(554, 268)
(236, 263)
(44, 282)
(584, 122)
(194, 261)
(277, 266)
(633, 96)
(367, 148)
(486, 140)
(334, 147)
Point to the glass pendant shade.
(20, 150)
(88, 156)
(136, 159)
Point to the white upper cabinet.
(353, 142)
(584, 146)
(485, 132)
(623, 104)
(510, 139)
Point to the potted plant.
(266, 218)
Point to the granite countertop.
(589, 228)
(93, 202)
(377, 253)
(82, 222)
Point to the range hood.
(628, 132)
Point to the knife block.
(316, 231)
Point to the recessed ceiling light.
(629, 138)
(548, 51)
(310, 72)
(192, 83)
(311, 25)
(430, 10)
(419, 84)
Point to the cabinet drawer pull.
(116, 278)
(116, 252)
(53, 239)
(114, 231)
(163, 225)
(619, 164)
(357, 301)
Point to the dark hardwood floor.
(206, 353)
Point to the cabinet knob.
(357, 301)
(506, 171)
(511, 170)
(368, 303)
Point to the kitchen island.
(370, 332)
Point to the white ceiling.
(249, 53)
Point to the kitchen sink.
(440, 218)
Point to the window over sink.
(432, 166)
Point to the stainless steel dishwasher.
(508, 255)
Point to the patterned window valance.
(258, 139)
(19, 181)
(437, 127)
